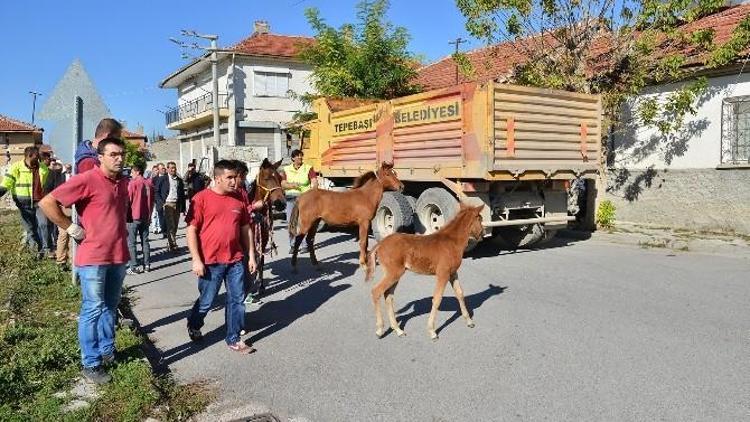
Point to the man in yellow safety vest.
(25, 181)
(297, 178)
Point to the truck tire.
(516, 237)
(394, 214)
(412, 201)
(434, 208)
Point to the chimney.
(261, 27)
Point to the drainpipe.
(232, 103)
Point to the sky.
(124, 45)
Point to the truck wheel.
(394, 214)
(515, 237)
(434, 208)
(412, 201)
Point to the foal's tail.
(371, 258)
(294, 220)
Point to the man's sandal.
(241, 347)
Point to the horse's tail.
(371, 258)
(294, 219)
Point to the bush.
(605, 215)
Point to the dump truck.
(513, 149)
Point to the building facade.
(15, 136)
(697, 178)
(259, 80)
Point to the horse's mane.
(457, 220)
(361, 180)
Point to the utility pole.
(213, 49)
(33, 105)
(457, 43)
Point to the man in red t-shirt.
(218, 234)
(101, 199)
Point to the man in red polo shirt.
(101, 198)
(141, 203)
(218, 235)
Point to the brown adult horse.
(356, 206)
(267, 189)
(437, 254)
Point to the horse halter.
(267, 190)
(393, 172)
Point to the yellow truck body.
(483, 141)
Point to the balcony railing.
(195, 107)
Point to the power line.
(457, 43)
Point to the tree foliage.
(133, 155)
(614, 48)
(366, 59)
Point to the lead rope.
(265, 223)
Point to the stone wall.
(697, 199)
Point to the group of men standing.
(28, 180)
(115, 213)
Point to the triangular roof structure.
(75, 81)
(60, 109)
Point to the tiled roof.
(12, 125)
(128, 134)
(273, 45)
(499, 60)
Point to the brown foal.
(437, 254)
(356, 206)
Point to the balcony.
(197, 112)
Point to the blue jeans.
(138, 232)
(234, 311)
(101, 289)
(290, 202)
(45, 228)
(30, 225)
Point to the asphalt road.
(579, 330)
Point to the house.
(137, 138)
(698, 179)
(15, 136)
(257, 80)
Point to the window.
(269, 83)
(735, 133)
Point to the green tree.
(614, 48)
(367, 59)
(133, 155)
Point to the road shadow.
(156, 280)
(490, 248)
(449, 303)
(189, 348)
(312, 292)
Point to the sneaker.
(132, 271)
(147, 268)
(195, 334)
(108, 359)
(97, 375)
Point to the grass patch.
(39, 354)
(648, 244)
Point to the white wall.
(272, 109)
(699, 143)
(200, 85)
